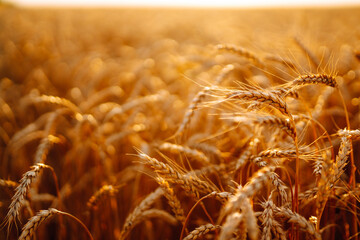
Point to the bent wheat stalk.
(31, 226)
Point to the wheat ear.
(341, 160)
(176, 149)
(156, 213)
(120, 110)
(106, 190)
(352, 134)
(296, 218)
(269, 222)
(241, 52)
(98, 97)
(201, 231)
(250, 189)
(57, 101)
(315, 79)
(231, 226)
(282, 123)
(172, 199)
(8, 183)
(190, 183)
(30, 227)
(199, 97)
(262, 97)
(248, 217)
(19, 197)
(136, 213)
(246, 155)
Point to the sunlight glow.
(185, 3)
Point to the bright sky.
(186, 3)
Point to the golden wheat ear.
(172, 199)
(201, 231)
(133, 218)
(18, 199)
(328, 80)
(271, 227)
(106, 190)
(262, 97)
(293, 217)
(243, 52)
(32, 225)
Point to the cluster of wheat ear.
(149, 124)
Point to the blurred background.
(185, 3)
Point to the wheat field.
(179, 123)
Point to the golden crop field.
(179, 123)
